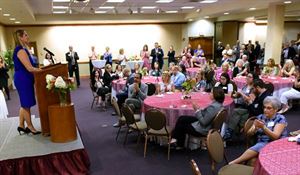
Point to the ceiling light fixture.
(252, 8)
(59, 12)
(60, 7)
(187, 7)
(100, 12)
(164, 1)
(206, 17)
(148, 7)
(107, 7)
(12, 19)
(208, 1)
(226, 13)
(6, 14)
(198, 10)
(172, 11)
(115, 1)
(61, 0)
(287, 2)
(190, 20)
(17, 22)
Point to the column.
(275, 31)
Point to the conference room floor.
(110, 157)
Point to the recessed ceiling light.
(208, 1)
(0, 8)
(60, 7)
(107, 7)
(6, 14)
(206, 17)
(61, 0)
(148, 7)
(115, 1)
(198, 10)
(287, 2)
(135, 12)
(172, 11)
(190, 19)
(252, 8)
(100, 12)
(17, 22)
(187, 7)
(226, 13)
(12, 19)
(164, 1)
(59, 12)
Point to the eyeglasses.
(268, 107)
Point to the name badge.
(256, 105)
(270, 124)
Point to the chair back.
(116, 106)
(219, 119)
(155, 119)
(250, 140)
(195, 168)
(128, 114)
(249, 124)
(151, 89)
(93, 90)
(270, 87)
(215, 146)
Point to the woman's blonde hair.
(17, 34)
(272, 61)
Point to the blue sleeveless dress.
(24, 80)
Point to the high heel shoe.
(20, 130)
(34, 133)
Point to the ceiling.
(40, 12)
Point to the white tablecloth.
(131, 64)
(3, 107)
(98, 63)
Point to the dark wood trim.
(94, 24)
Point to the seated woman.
(119, 71)
(198, 55)
(293, 93)
(156, 71)
(239, 70)
(271, 69)
(200, 124)
(136, 68)
(225, 84)
(225, 68)
(48, 60)
(187, 53)
(288, 69)
(182, 69)
(268, 126)
(106, 88)
(97, 84)
(165, 85)
(201, 81)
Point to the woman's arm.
(278, 129)
(23, 57)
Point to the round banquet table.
(3, 107)
(279, 157)
(281, 84)
(119, 84)
(98, 63)
(131, 64)
(192, 72)
(173, 106)
(219, 72)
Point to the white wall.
(130, 37)
(201, 27)
(2, 39)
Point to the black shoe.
(113, 113)
(116, 125)
(20, 130)
(34, 133)
(228, 134)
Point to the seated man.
(254, 104)
(137, 92)
(177, 78)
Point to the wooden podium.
(45, 97)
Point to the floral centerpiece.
(144, 71)
(188, 86)
(61, 86)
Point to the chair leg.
(145, 146)
(138, 139)
(93, 103)
(125, 141)
(169, 145)
(118, 132)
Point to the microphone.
(45, 49)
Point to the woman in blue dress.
(24, 81)
(268, 126)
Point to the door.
(206, 44)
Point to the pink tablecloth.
(173, 106)
(118, 85)
(219, 72)
(279, 157)
(192, 72)
(281, 84)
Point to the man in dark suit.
(72, 58)
(157, 54)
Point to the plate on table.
(183, 106)
(284, 78)
(160, 95)
(169, 93)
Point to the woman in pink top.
(145, 57)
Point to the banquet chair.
(250, 140)
(215, 148)
(95, 96)
(195, 168)
(216, 124)
(131, 123)
(156, 126)
(151, 89)
(121, 118)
